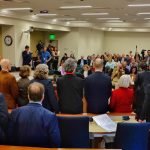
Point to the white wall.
(20, 39)
(80, 41)
(123, 42)
(90, 42)
(9, 51)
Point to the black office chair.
(74, 132)
(132, 136)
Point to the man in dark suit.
(33, 125)
(81, 62)
(3, 119)
(141, 84)
(27, 56)
(98, 89)
(70, 89)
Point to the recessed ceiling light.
(45, 14)
(144, 13)
(108, 18)
(54, 20)
(139, 5)
(34, 16)
(75, 7)
(68, 23)
(9, 9)
(4, 11)
(94, 14)
(109, 29)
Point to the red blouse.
(121, 100)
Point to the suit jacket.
(32, 125)
(3, 119)
(27, 57)
(121, 100)
(50, 100)
(79, 62)
(145, 112)
(98, 89)
(70, 93)
(141, 82)
(9, 87)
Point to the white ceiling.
(115, 9)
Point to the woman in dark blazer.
(86, 71)
(41, 76)
(23, 84)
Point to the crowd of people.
(98, 84)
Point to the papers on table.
(105, 122)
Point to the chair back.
(132, 136)
(74, 131)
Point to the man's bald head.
(98, 63)
(5, 64)
(36, 92)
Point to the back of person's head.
(124, 81)
(24, 71)
(70, 65)
(26, 47)
(5, 64)
(98, 63)
(41, 72)
(36, 92)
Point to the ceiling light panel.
(108, 18)
(46, 14)
(94, 14)
(144, 13)
(75, 7)
(16, 9)
(139, 5)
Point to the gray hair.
(124, 81)
(70, 65)
(41, 72)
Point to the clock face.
(8, 40)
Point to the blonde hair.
(124, 81)
(41, 72)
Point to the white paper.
(105, 122)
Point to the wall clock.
(8, 40)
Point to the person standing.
(98, 89)
(27, 56)
(81, 62)
(141, 84)
(70, 89)
(8, 84)
(41, 76)
(3, 119)
(23, 84)
(33, 125)
(45, 56)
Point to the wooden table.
(97, 131)
(33, 148)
